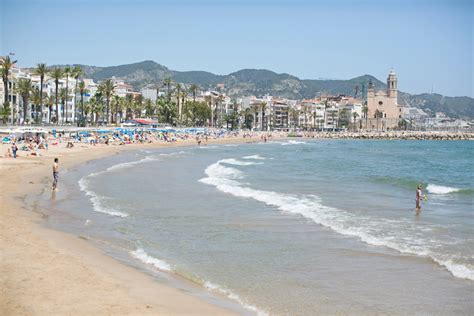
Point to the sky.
(429, 43)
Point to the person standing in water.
(55, 173)
(419, 197)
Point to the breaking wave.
(144, 257)
(256, 157)
(98, 202)
(401, 235)
(125, 165)
(439, 189)
(292, 142)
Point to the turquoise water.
(291, 227)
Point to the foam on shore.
(98, 201)
(161, 265)
(144, 257)
(212, 287)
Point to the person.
(419, 198)
(55, 173)
(14, 149)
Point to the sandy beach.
(46, 272)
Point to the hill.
(260, 82)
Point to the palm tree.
(56, 74)
(354, 116)
(219, 101)
(208, 99)
(184, 94)
(178, 95)
(76, 74)
(114, 108)
(24, 88)
(66, 72)
(41, 70)
(107, 87)
(50, 103)
(36, 100)
(138, 105)
(96, 107)
(194, 90)
(82, 91)
(294, 113)
(149, 108)
(263, 107)
(6, 64)
(365, 110)
(254, 111)
(167, 83)
(129, 106)
(64, 97)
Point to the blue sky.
(428, 43)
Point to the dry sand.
(46, 272)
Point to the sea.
(291, 227)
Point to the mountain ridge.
(260, 82)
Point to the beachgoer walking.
(55, 173)
(14, 149)
(419, 198)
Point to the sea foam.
(293, 142)
(439, 189)
(393, 234)
(98, 201)
(256, 157)
(144, 257)
(125, 165)
(212, 287)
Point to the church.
(384, 104)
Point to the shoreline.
(39, 263)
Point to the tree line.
(105, 106)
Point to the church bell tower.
(392, 89)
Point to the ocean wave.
(125, 165)
(411, 184)
(98, 201)
(368, 229)
(234, 297)
(406, 183)
(439, 189)
(144, 257)
(256, 157)
(292, 142)
(174, 153)
(232, 161)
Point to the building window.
(380, 102)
